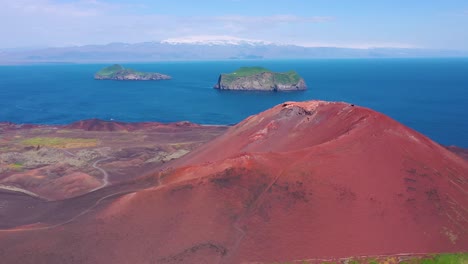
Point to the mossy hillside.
(445, 259)
(118, 69)
(456, 258)
(118, 72)
(290, 77)
(57, 142)
(108, 71)
(287, 77)
(249, 71)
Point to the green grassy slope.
(248, 71)
(455, 258)
(108, 71)
(287, 77)
(290, 77)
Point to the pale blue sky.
(347, 23)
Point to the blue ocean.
(428, 95)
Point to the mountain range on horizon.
(205, 48)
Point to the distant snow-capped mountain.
(206, 48)
(215, 40)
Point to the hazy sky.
(439, 24)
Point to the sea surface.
(428, 95)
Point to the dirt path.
(19, 190)
(22, 229)
(105, 182)
(105, 179)
(105, 175)
(68, 153)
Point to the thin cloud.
(52, 23)
(264, 26)
(363, 45)
(274, 19)
(41, 7)
(80, 8)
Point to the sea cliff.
(260, 79)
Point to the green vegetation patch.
(286, 77)
(446, 259)
(118, 70)
(111, 70)
(57, 142)
(15, 166)
(290, 77)
(456, 258)
(249, 71)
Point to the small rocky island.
(118, 72)
(260, 79)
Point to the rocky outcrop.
(119, 73)
(260, 79)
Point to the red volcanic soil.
(310, 180)
(13, 126)
(101, 125)
(69, 185)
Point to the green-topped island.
(118, 72)
(260, 79)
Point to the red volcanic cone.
(310, 180)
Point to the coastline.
(380, 84)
